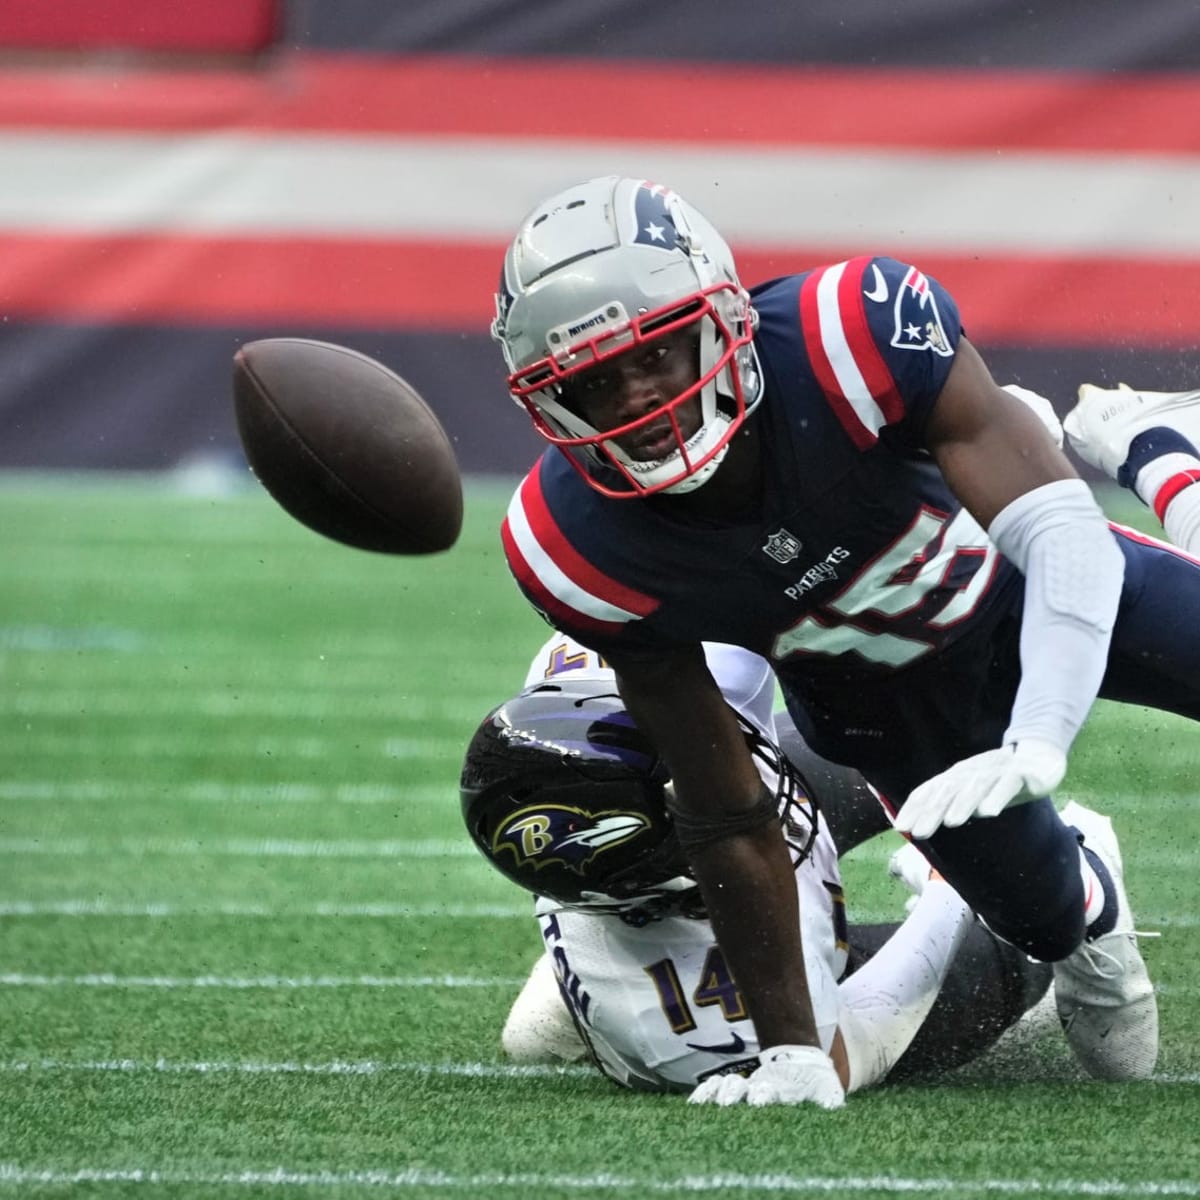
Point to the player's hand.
(912, 868)
(786, 1075)
(983, 786)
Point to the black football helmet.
(564, 795)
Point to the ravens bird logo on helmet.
(558, 833)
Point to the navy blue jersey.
(861, 558)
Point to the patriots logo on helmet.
(655, 224)
(504, 302)
(557, 833)
(918, 322)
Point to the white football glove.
(983, 786)
(786, 1075)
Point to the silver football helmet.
(603, 269)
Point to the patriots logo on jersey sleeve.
(918, 321)
(557, 833)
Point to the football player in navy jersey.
(823, 471)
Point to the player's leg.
(1030, 877)
(1154, 657)
(1148, 442)
(1103, 992)
(1020, 871)
(989, 986)
(932, 716)
(1102, 989)
(851, 809)
(883, 1004)
(539, 1027)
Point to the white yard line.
(62, 747)
(175, 909)
(74, 907)
(299, 792)
(165, 1066)
(104, 979)
(218, 791)
(221, 847)
(473, 1070)
(87, 847)
(109, 979)
(22, 1175)
(72, 746)
(322, 703)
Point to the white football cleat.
(539, 1028)
(1105, 420)
(1102, 991)
(1042, 409)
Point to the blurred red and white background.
(180, 178)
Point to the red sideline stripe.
(433, 284)
(136, 278)
(569, 561)
(952, 109)
(238, 26)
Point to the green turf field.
(245, 949)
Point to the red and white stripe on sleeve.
(573, 593)
(842, 350)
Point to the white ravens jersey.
(656, 1001)
(746, 680)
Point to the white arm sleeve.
(884, 1003)
(1074, 570)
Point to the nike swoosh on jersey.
(736, 1046)
(879, 292)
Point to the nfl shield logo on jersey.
(783, 547)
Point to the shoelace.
(1097, 957)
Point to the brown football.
(346, 446)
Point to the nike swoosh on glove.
(983, 786)
(786, 1075)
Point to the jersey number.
(716, 986)
(892, 587)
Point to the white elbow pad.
(1073, 568)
